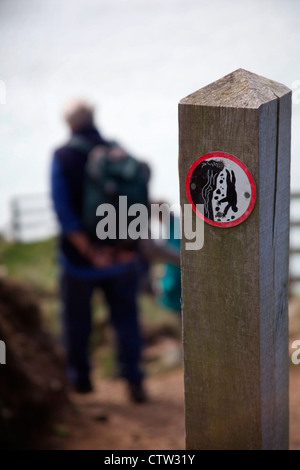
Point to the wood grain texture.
(235, 324)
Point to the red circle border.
(248, 174)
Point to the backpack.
(170, 284)
(106, 179)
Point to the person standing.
(86, 265)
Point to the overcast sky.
(135, 59)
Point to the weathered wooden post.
(234, 147)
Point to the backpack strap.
(81, 144)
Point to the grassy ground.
(35, 265)
(32, 262)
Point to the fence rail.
(294, 274)
(32, 217)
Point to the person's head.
(78, 113)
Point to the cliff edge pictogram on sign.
(225, 187)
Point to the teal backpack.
(170, 284)
(106, 179)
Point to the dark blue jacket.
(67, 182)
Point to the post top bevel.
(240, 89)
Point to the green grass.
(33, 263)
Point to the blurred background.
(135, 60)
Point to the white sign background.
(243, 190)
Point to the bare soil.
(106, 419)
(33, 389)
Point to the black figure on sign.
(231, 195)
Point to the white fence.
(295, 243)
(32, 218)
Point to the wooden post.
(234, 289)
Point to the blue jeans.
(121, 296)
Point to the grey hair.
(78, 113)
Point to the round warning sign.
(224, 186)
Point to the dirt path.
(107, 420)
(156, 425)
(295, 407)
